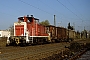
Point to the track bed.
(31, 52)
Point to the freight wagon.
(61, 33)
(52, 31)
(71, 34)
(57, 34)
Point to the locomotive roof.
(29, 18)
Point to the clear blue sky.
(77, 12)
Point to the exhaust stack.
(54, 21)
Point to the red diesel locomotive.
(28, 31)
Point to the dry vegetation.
(3, 42)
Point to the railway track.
(85, 56)
(31, 52)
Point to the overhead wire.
(40, 9)
(76, 9)
(78, 12)
(51, 8)
(68, 9)
(56, 11)
(35, 7)
(73, 7)
(84, 20)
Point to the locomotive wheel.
(7, 45)
(23, 43)
(53, 41)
